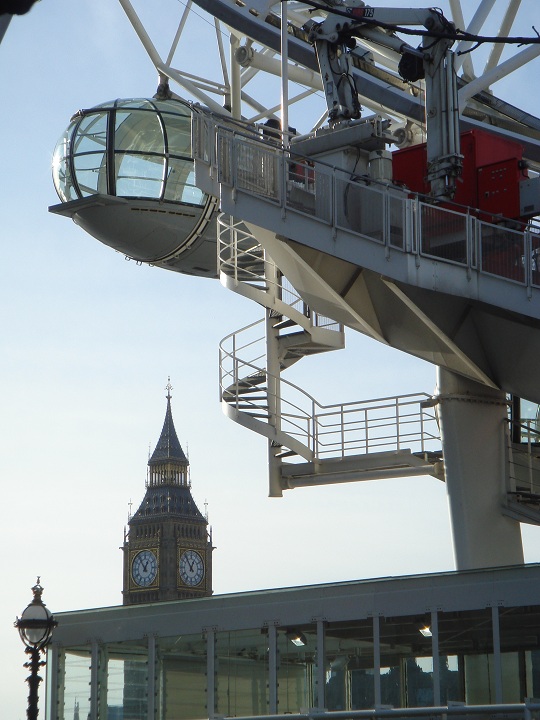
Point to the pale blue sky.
(88, 341)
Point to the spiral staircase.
(308, 443)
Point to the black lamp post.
(35, 627)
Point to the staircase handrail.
(283, 295)
(347, 434)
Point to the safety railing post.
(530, 458)
(366, 429)
(234, 242)
(342, 420)
(528, 259)
(315, 418)
(416, 226)
(397, 423)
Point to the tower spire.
(168, 464)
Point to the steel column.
(472, 419)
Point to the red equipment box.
(492, 171)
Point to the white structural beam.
(236, 79)
(497, 73)
(459, 21)
(247, 57)
(505, 29)
(179, 31)
(479, 18)
(284, 72)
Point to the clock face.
(144, 568)
(191, 567)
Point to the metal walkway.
(312, 444)
(437, 283)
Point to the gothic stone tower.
(167, 549)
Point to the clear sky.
(88, 341)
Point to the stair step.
(257, 284)
(251, 380)
(284, 324)
(247, 406)
(245, 396)
(248, 401)
(286, 453)
(246, 391)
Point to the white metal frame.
(231, 87)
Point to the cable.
(456, 35)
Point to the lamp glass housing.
(35, 625)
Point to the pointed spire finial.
(168, 388)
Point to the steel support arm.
(433, 60)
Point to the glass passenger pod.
(124, 172)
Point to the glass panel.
(62, 179)
(296, 669)
(175, 107)
(90, 172)
(76, 684)
(91, 135)
(406, 661)
(502, 252)
(183, 677)
(127, 682)
(241, 673)
(349, 665)
(133, 103)
(451, 680)
(532, 673)
(139, 175)
(178, 129)
(519, 642)
(530, 414)
(138, 131)
(466, 657)
(180, 185)
(444, 234)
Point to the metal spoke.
(506, 28)
(183, 19)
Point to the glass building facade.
(414, 642)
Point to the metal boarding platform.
(440, 284)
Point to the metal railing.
(524, 461)
(384, 214)
(337, 431)
(242, 258)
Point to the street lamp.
(35, 627)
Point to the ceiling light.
(297, 638)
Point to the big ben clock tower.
(167, 548)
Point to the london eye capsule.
(124, 172)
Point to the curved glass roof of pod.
(125, 173)
(137, 148)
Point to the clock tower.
(167, 547)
